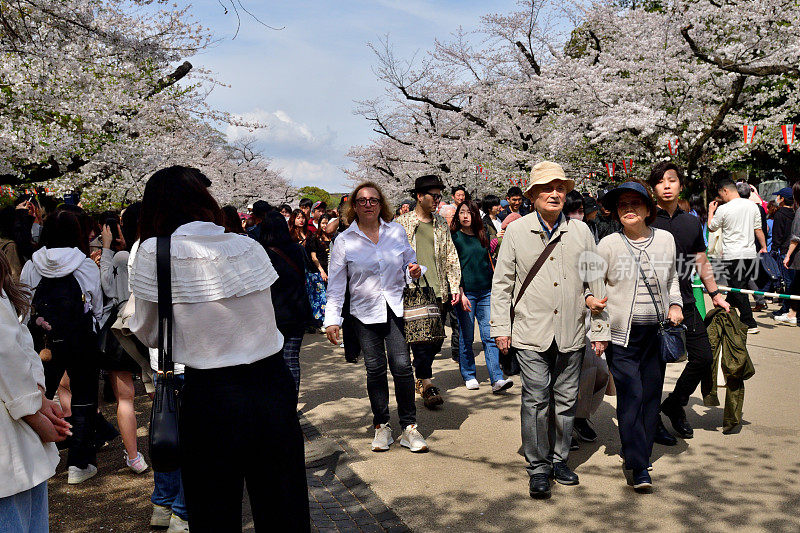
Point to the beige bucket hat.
(545, 172)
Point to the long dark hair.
(62, 229)
(476, 224)
(796, 194)
(130, 224)
(233, 224)
(293, 231)
(15, 292)
(275, 231)
(173, 197)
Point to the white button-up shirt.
(377, 273)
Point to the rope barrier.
(722, 288)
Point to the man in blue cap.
(781, 237)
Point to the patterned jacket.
(447, 265)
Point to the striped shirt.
(644, 312)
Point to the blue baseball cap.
(786, 192)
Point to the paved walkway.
(118, 500)
(473, 479)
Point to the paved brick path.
(339, 499)
(118, 501)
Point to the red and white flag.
(749, 133)
(672, 144)
(788, 134)
(612, 169)
(627, 165)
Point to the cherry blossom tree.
(588, 84)
(97, 94)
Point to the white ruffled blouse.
(222, 307)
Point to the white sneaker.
(786, 319)
(161, 516)
(137, 465)
(77, 475)
(383, 438)
(472, 384)
(753, 331)
(502, 384)
(412, 439)
(177, 524)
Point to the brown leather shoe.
(432, 397)
(759, 307)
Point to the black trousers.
(639, 377)
(424, 354)
(81, 367)
(239, 425)
(382, 345)
(740, 272)
(700, 357)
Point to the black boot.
(677, 417)
(105, 431)
(663, 436)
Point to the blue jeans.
(479, 308)
(788, 275)
(26, 511)
(168, 487)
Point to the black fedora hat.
(425, 183)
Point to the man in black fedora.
(429, 235)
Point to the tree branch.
(529, 56)
(696, 151)
(730, 66)
(38, 172)
(445, 107)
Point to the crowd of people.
(569, 290)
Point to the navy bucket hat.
(611, 198)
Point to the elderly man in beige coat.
(548, 328)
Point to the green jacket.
(728, 337)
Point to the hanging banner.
(627, 165)
(788, 134)
(673, 146)
(749, 133)
(612, 169)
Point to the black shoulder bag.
(164, 442)
(672, 338)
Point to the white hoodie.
(59, 262)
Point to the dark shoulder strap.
(659, 315)
(286, 258)
(537, 266)
(164, 279)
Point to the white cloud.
(280, 131)
(324, 174)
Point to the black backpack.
(61, 303)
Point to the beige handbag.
(125, 337)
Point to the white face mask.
(287, 219)
(577, 215)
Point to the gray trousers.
(549, 378)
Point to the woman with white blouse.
(238, 420)
(29, 422)
(374, 257)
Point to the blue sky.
(303, 80)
